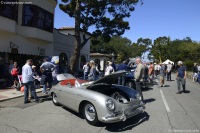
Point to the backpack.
(14, 72)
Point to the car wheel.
(130, 84)
(90, 114)
(54, 99)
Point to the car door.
(68, 97)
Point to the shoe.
(179, 92)
(45, 93)
(27, 102)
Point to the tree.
(146, 42)
(158, 49)
(120, 46)
(106, 16)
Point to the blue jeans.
(85, 76)
(181, 81)
(169, 76)
(45, 87)
(29, 85)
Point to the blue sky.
(155, 18)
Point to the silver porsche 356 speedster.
(99, 101)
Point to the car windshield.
(65, 76)
(68, 76)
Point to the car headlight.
(138, 96)
(110, 104)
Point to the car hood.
(109, 79)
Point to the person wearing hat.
(36, 77)
(109, 69)
(46, 68)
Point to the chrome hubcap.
(90, 112)
(54, 98)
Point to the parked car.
(129, 80)
(98, 101)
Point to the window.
(28, 20)
(35, 16)
(9, 10)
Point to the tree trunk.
(75, 58)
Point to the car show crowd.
(31, 77)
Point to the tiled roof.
(71, 28)
(66, 28)
(99, 54)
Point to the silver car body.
(74, 96)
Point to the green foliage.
(189, 64)
(123, 48)
(185, 50)
(105, 16)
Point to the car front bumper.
(124, 114)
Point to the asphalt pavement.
(165, 112)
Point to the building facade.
(26, 28)
(64, 47)
(26, 31)
(102, 59)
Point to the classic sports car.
(99, 100)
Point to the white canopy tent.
(167, 61)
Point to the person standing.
(27, 79)
(198, 68)
(122, 66)
(195, 72)
(92, 73)
(15, 72)
(55, 72)
(151, 72)
(138, 76)
(156, 69)
(10, 67)
(113, 65)
(162, 74)
(109, 69)
(86, 70)
(46, 68)
(181, 77)
(169, 71)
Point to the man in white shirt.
(169, 70)
(27, 79)
(156, 69)
(109, 69)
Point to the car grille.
(132, 112)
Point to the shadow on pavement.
(119, 126)
(129, 124)
(166, 85)
(45, 98)
(147, 89)
(186, 91)
(149, 100)
(80, 115)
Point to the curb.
(5, 99)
